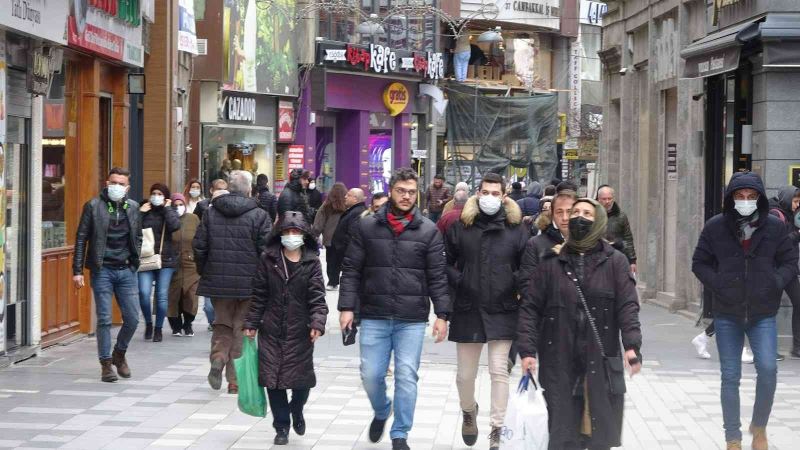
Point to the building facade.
(694, 91)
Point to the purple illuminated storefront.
(348, 133)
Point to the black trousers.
(281, 406)
(793, 291)
(334, 260)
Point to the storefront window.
(245, 148)
(53, 167)
(13, 162)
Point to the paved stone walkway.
(57, 401)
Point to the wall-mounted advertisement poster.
(380, 161)
(111, 28)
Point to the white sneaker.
(700, 343)
(747, 356)
(331, 288)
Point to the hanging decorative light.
(491, 36)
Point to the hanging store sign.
(396, 98)
(540, 13)
(295, 157)
(187, 38)
(40, 18)
(111, 28)
(40, 69)
(592, 12)
(239, 109)
(381, 59)
(285, 121)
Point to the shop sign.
(574, 116)
(381, 59)
(592, 12)
(238, 109)
(285, 121)
(540, 13)
(45, 19)
(187, 37)
(396, 98)
(111, 28)
(672, 162)
(295, 157)
(419, 154)
(40, 69)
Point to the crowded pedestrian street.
(55, 400)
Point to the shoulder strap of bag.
(163, 230)
(589, 316)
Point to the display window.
(228, 148)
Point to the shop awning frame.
(714, 54)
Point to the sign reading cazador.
(396, 98)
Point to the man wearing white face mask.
(484, 251)
(746, 259)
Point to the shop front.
(361, 114)
(243, 138)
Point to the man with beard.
(294, 197)
(435, 199)
(395, 262)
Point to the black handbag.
(613, 366)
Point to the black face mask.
(579, 228)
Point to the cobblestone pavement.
(57, 401)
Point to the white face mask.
(194, 193)
(157, 200)
(312, 186)
(745, 207)
(116, 192)
(489, 204)
(181, 210)
(292, 241)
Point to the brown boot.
(107, 373)
(759, 438)
(118, 359)
(734, 445)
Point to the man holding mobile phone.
(395, 262)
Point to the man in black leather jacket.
(108, 243)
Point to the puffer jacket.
(294, 199)
(745, 285)
(783, 203)
(163, 218)
(530, 204)
(483, 260)
(267, 201)
(90, 239)
(535, 249)
(284, 310)
(227, 246)
(389, 276)
(620, 229)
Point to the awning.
(714, 54)
(780, 38)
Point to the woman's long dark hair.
(335, 200)
(189, 186)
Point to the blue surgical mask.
(797, 219)
(116, 192)
(156, 200)
(292, 241)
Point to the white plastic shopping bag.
(525, 424)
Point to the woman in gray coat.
(325, 223)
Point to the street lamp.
(371, 27)
(491, 36)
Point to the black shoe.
(281, 436)
(796, 353)
(400, 444)
(148, 332)
(176, 333)
(157, 337)
(299, 423)
(376, 429)
(188, 331)
(780, 357)
(215, 374)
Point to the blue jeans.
(461, 62)
(162, 278)
(763, 337)
(121, 283)
(208, 308)
(378, 339)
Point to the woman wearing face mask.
(288, 311)
(158, 215)
(570, 328)
(193, 194)
(182, 307)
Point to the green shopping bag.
(252, 400)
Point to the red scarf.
(399, 223)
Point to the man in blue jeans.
(746, 259)
(108, 243)
(395, 261)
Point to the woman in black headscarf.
(581, 299)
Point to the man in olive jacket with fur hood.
(484, 250)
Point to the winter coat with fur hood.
(483, 256)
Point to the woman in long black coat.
(584, 393)
(289, 311)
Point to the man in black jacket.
(266, 199)
(746, 259)
(393, 269)
(354, 201)
(227, 247)
(108, 243)
(484, 250)
(294, 196)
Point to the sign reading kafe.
(381, 59)
(46, 19)
(396, 98)
(541, 13)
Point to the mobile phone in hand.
(349, 335)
